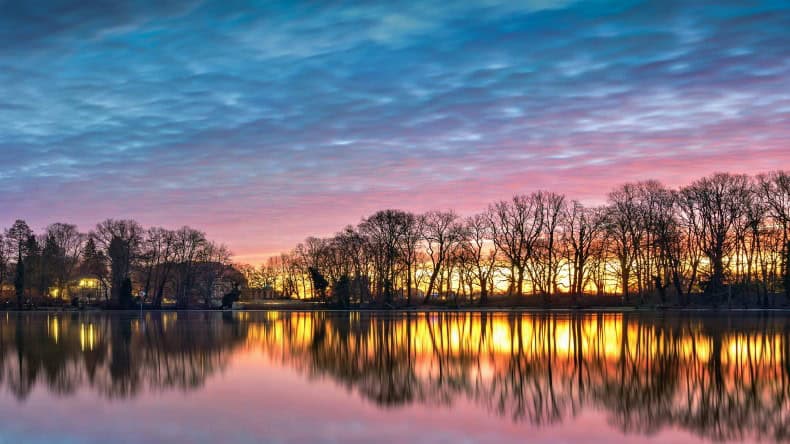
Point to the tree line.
(722, 239)
(125, 259)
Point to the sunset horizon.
(287, 243)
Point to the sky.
(262, 123)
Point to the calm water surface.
(366, 377)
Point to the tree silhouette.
(19, 281)
(319, 282)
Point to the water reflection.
(720, 377)
(117, 356)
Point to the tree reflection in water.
(722, 377)
(116, 355)
(718, 376)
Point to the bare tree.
(441, 233)
(625, 233)
(120, 239)
(408, 246)
(516, 226)
(582, 228)
(483, 252)
(719, 201)
(384, 231)
(351, 247)
(159, 259)
(190, 249)
(213, 264)
(68, 243)
(545, 265)
(774, 188)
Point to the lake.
(360, 377)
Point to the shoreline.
(405, 310)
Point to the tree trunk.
(716, 283)
(483, 290)
(520, 281)
(431, 283)
(408, 284)
(678, 288)
(625, 276)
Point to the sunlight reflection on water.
(391, 377)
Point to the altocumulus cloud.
(265, 122)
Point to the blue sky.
(265, 122)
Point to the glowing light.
(87, 337)
(53, 328)
(89, 283)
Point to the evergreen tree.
(94, 262)
(32, 260)
(233, 296)
(17, 236)
(119, 255)
(342, 291)
(50, 258)
(125, 296)
(319, 282)
(19, 281)
(4, 262)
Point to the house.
(86, 288)
(230, 279)
(221, 287)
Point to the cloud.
(266, 122)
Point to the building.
(86, 288)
